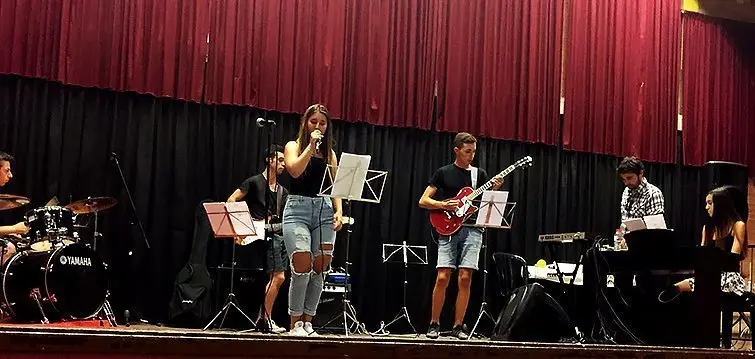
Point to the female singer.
(725, 230)
(310, 222)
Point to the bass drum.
(70, 283)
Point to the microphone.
(317, 145)
(113, 156)
(261, 122)
(127, 314)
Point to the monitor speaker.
(720, 173)
(532, 315)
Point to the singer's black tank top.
(308, 184)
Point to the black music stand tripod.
(352, 177)
(230, 220)
(494, 213)
(410, 254)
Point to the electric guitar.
(447, 222)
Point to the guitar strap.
(473, 173)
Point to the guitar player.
(462, 249)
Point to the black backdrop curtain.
(175, 153)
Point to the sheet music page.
(492, 208)
(634, 224)
(217, 215)
(351, 175)
(241, 219)
(655, 221)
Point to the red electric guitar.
(447, 223)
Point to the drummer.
(16, 230)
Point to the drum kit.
(56, 274)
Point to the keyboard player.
(725, 230)
(640, 198)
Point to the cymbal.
(10, 201)
(92, 204)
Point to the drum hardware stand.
(106, 312)
(95, 234)
(34, 294)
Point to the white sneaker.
(298, 330)
(274, 328)
(310, 331)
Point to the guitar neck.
(489, 183)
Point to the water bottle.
(617, 237)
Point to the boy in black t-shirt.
(254, 190)
(462, 249)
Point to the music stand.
(494, 212)
(405, 251)
(232, 220)
(352, 177)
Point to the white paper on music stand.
(351, 175)
(492, 208)
(655, 221)
(634, 224)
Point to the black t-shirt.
(450, 179)
(254, 187)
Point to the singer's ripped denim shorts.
(460, 250)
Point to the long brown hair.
(725, 215)
(303, 137)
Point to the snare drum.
(70, 282)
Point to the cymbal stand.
(96, 234)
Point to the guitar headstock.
(523, 162)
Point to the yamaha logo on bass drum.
(76, 261)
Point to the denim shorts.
(308, 224)
(462, 250)
(277, 259)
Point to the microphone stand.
(114, 157)
(135, 214)
(270, 125)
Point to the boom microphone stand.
(134, 220)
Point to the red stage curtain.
(718, 86)
(30, 37)
(391, 58)
(367, 60)
(621, 81)
(155, 47)
(282, 55)
(500, 69)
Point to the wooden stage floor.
(147, 341)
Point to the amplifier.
(336, 282)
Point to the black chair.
(743, 304)
(512, 272)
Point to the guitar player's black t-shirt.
(450, 179)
